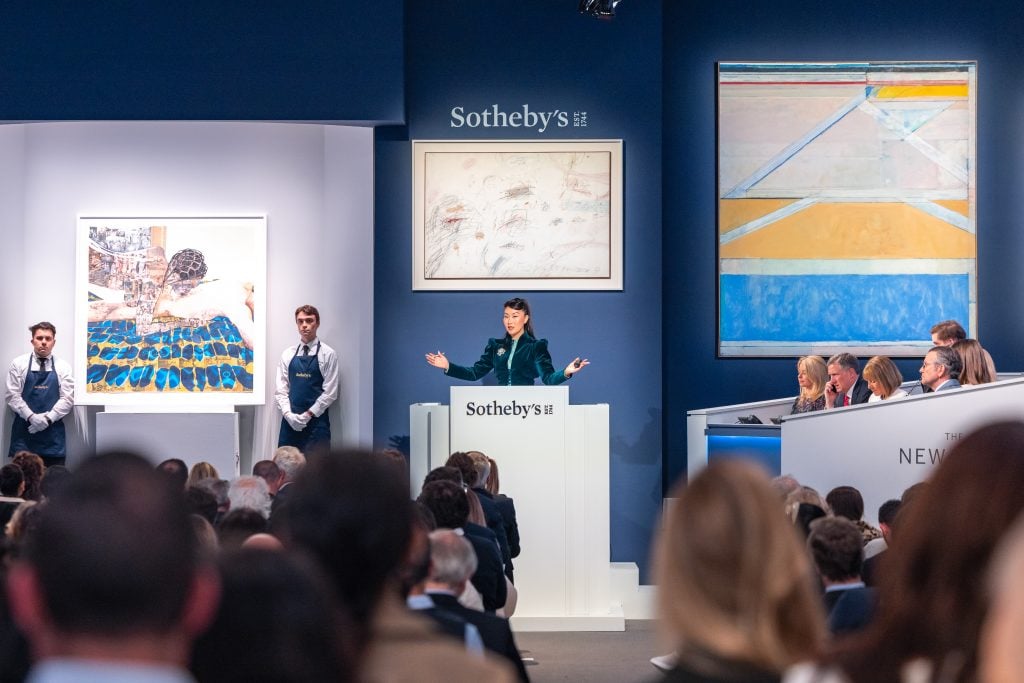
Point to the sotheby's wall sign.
(520, 117)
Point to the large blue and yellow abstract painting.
(846, 206)
(171, 310)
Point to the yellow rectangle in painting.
(732, 213)
(857, 230)
(917, 92)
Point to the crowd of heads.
(736, 580)
(282, 575)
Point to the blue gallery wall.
(541, 54)
(697, 35)
(196, 59)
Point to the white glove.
(304, 418)
(294, 421)
(37, 423)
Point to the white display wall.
(313, 182)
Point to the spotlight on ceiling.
(603, 9)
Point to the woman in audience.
(846, 501)
(976, 370)
(1002, 657)
(884, 379)
(932, 599)
(200, 471)
(736, 592)
(507, 508)
(811, 375)
(32, 470)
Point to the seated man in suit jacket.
(941, 369)
(448, 502)
(837, 547)
(845, 386)
(452, 562)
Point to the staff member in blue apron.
(517, 359)
(307, 384)
(40, 391)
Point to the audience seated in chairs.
(932, 597)
(735, 584)
(352, 515)
(110, 586)
(452, 563)
(450, 506)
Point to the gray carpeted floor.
(596, 657)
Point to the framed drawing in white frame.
(170, 312)
(512, 215)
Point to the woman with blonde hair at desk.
(811, 375)
(884, 379)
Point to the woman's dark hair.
(846, 501)
(275, 622)
(932, 600)
(523, 305)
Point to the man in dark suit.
(452, 562)
(448, 502)
(845, 386)
(941, 369)
(836, 545)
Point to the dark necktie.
(305, 350)
(42, 364)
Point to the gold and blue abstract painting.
(846, 206)
(171, 310)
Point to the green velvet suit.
(531, 360)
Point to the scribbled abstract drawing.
(498, 215)
(186, 324)
(846, 206)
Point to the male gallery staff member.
(307, 384)
(40, 391)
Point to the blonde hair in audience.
(200, 471)
(476, 511)
(815, 369)
(734, 579)
(1001, 656)
(493, 480)
(804, 494)
(882, 370)
(976, 369)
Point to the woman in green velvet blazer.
(517, 359)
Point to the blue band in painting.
(839, 308)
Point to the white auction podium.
(192, 437)
(553, 459)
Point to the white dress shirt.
(328, 361)
(16, 383)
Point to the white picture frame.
(170, 311)
(516, 215)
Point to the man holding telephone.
(845, 387)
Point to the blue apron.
(305, 384)
(40, 393)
